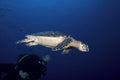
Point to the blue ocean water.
(95, 22)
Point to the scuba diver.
(28, 67)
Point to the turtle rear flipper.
(63, 44)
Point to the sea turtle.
(55, 40)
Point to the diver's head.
(83, 47)
(30, 66)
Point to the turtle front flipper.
(63, 44)
(67, 50)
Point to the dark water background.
(95, 22)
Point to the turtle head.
(83, 47)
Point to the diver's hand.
(23, 75)
(46, 58)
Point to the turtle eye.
(85, 47)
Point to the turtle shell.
(50, 34)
